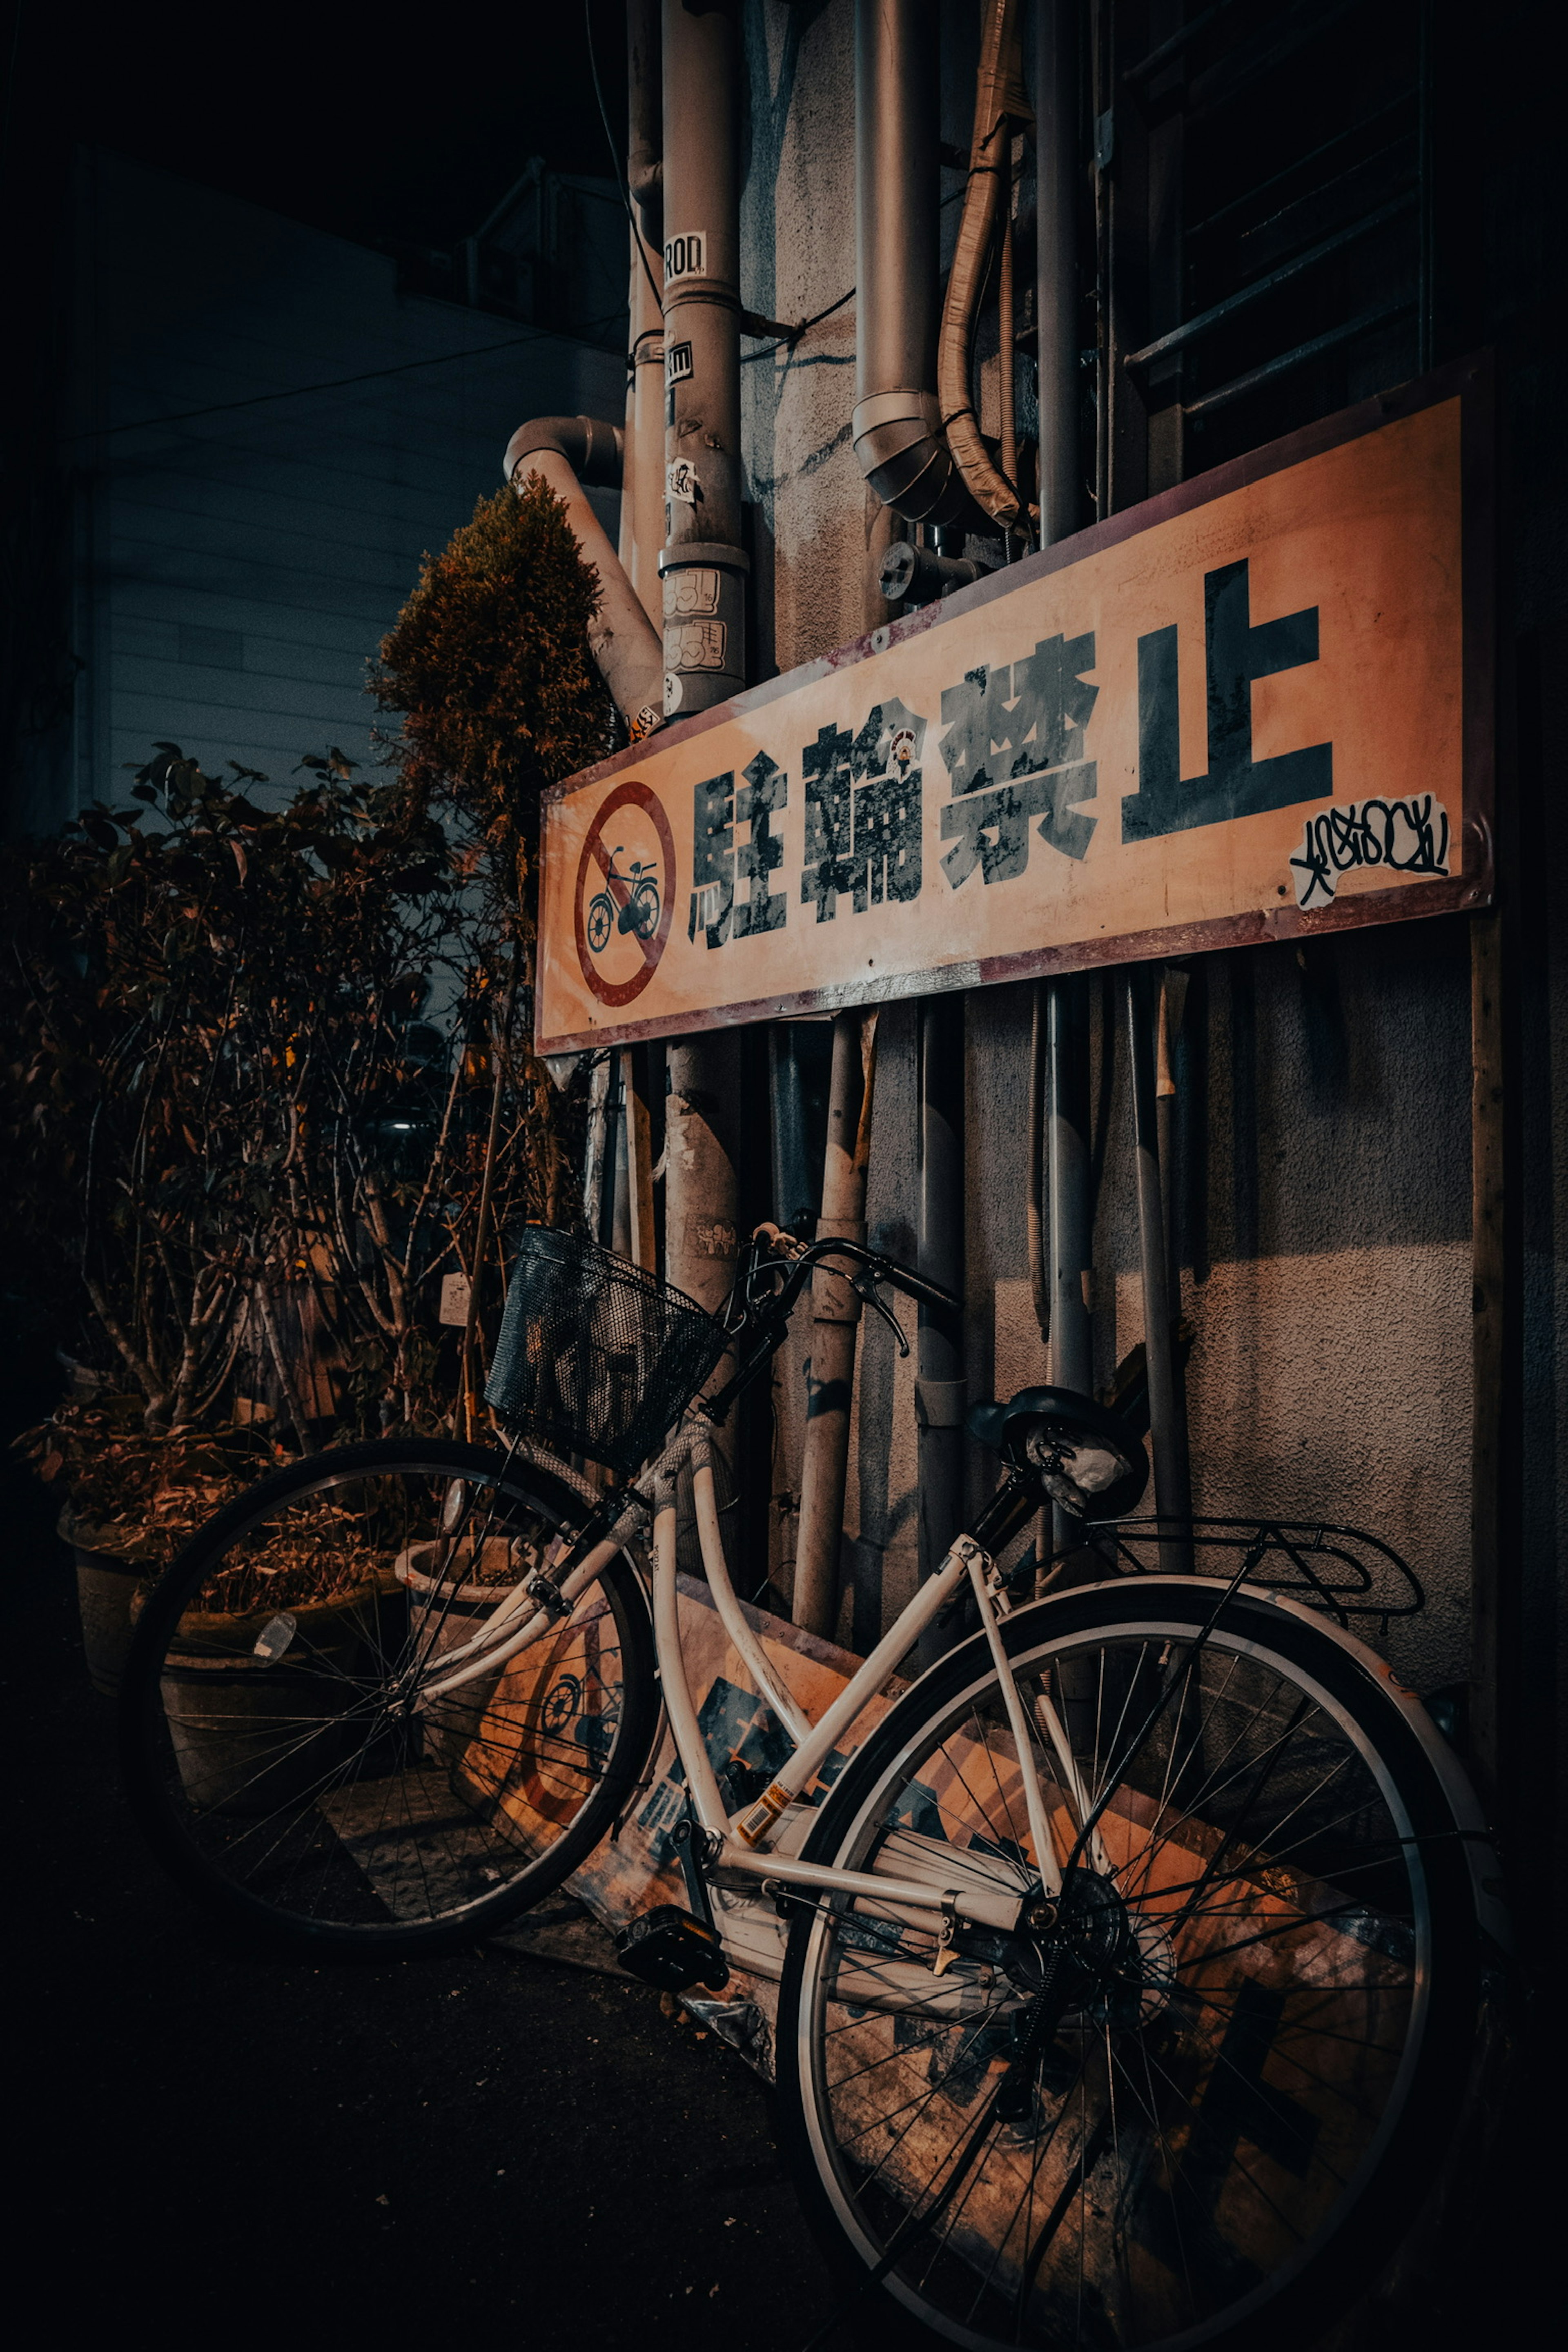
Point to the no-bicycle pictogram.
(626, 892)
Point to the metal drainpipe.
(645, 106)
(1058, 178)
(1167, 1423)
(567, 452)
(1068, 1167)
(703, 569)
(904, 457)
(704, 565)
(699, 1170)
(1070, 1210)
(835, 1311)
(896, 425)
(941, 1394)
(642, 491)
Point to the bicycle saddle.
(1084, 1457)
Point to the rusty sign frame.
(1472, 887)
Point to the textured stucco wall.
(1324, 1142)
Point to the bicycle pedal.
(672, 1949)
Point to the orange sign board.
(1253, 707)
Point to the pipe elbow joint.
(594, 450)
(899, 442)
(645, 180)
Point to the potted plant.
(264, 1075)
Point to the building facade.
(264, 427)
(1254, 221)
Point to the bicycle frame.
(747, 1842)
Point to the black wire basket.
(597, 1356)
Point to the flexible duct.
(568, 452)
(999, 102)
(895, 430)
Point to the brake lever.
(865, 1287)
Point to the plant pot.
(493, 1736)
(105, 1589)
(235, 1721)
(441, 1618)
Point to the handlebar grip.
(783, 1244)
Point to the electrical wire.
(782, 342)
(335, 384)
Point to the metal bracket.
(694, 1850)
(546, 1595)
(947, 1939)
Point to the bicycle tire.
(316, 1796)
(1137, 2232)
(646, 904)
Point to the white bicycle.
(1131, 1967)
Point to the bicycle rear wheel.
(282, 1742)
(1261, 1983)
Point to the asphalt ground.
(212, 2144)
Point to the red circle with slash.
(627, 795)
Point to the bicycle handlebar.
(881, 1268)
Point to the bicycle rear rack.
(1343, 1570)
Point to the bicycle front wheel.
(285, 1743)
(1198, 2105)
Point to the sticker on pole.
(686, 257)
(626, 891)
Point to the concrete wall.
(1324, 1168)
(235, 569)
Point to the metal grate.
(596, 1355)
(1264, 223)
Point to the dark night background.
(376, 126)
(208, 2136)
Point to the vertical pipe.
(641, 1244)
(703, 564)
(1167, 1424)
(609, 1212)
(642, 481)
(1070, 1217)
(699, 1169)
(1006, 356)
(897, 426)
(594, 1144)
(792, 1187)
(1173, 1004)
(1035, 1207)
(941, 1390)
(1034, 1214)
(836, 1312)
(645, 118)
(1068, 1164)
(1056, 283)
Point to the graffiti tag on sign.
(1245, 715)
(1408, 837)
